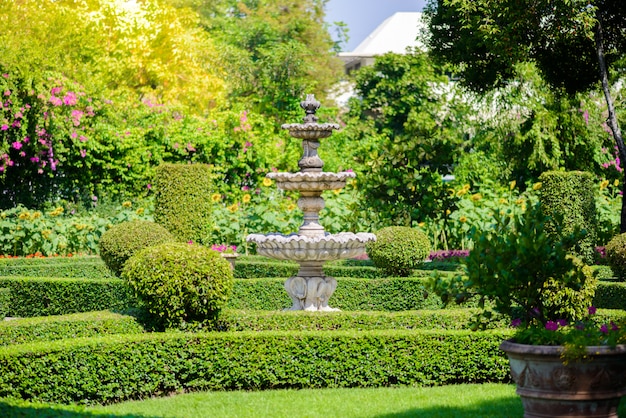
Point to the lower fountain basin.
(303, 248)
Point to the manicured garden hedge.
(36, 296)
(94, 269)
(116, 368)
(5, 294)
(245, 269)
(55, 296)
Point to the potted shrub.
(564, 363)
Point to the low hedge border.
(36, 296)
(57, 296)
(5, 297)
(58, 327)
(245, 269)
(92, 270)
(123, 367)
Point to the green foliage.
(610, 296)
(616, 255)
(5, 298)
(117, 368)
(525, 272)
(123, 240)
(182, 202)
(41, 296)
(398, 250)
(405, 133)
(52, 328)
(90, 267)
(568, 198)
(180, 283)
(608, 208)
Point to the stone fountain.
(311, 247)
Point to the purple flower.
(561, 322)
(552, 326)
(592, 310)
(516, 322)
(604, 329)
(614, 326)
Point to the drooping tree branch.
(612, 118)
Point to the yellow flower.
(519, 201)
(24, 216)
(246, 198)
(451, 192)
(461, 192)
(537, 186)
(139, 211)
(476, 197)
(57, 211)
(524, 207)
(267, 182)
(79, 226)
(291, 207)
(423, 224)
(616, 183)
(466, 187)
(604, 184)
(448, 211)
(512, 185)
(216, 197)
(233, 208)
(127, 204)
(502, 200)
(36, 215)
(46, 233)
(337, 191)
(462, 219)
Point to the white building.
(395, 34)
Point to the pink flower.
(4, 127)
(55, 90)
(552, 326)
(586, 117)
(83, 153)
(34, 159)
(7, 92)
(82, 138)
(5, 75)
(16, 145)
(149, 186)
(74, 135)
(70, 99)
(56, 101)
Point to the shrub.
(120, 242)
(568, 198)
(183, 200)
(121, 367)
(615, 252)
(398, 249)
(5, 296)
(180, 283)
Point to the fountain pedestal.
(311, 247)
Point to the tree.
(404, 132)
(574, 43)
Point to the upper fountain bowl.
(307, 182)
(310, 130)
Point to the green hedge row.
(116, 368)
(51, 328)
(37, 296)
(5, 294)
(56, 296)
(91, 270)
(252, 269)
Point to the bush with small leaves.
(615, 252)
(180, 283)
(398, 250)
(121, 241)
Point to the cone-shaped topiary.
(398, 250)
(123, 240)
(180, 283)
(616, 255)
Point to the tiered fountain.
(311, 247)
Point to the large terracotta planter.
(549, 388)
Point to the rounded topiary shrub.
(398, 250)
(123, 240)
(615, 252)
(180, 283)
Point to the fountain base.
(311, 293)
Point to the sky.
(363, 16)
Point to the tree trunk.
(612, 119)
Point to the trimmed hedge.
(52, 296)
(51, 328)
(182, 203)
(5, 299)
(568, 197)
(254, 269)
(117, 368)
(34, 296)
(90, 270)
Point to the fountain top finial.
(310, 106)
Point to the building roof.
(395, 34)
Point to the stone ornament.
(310, 290)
